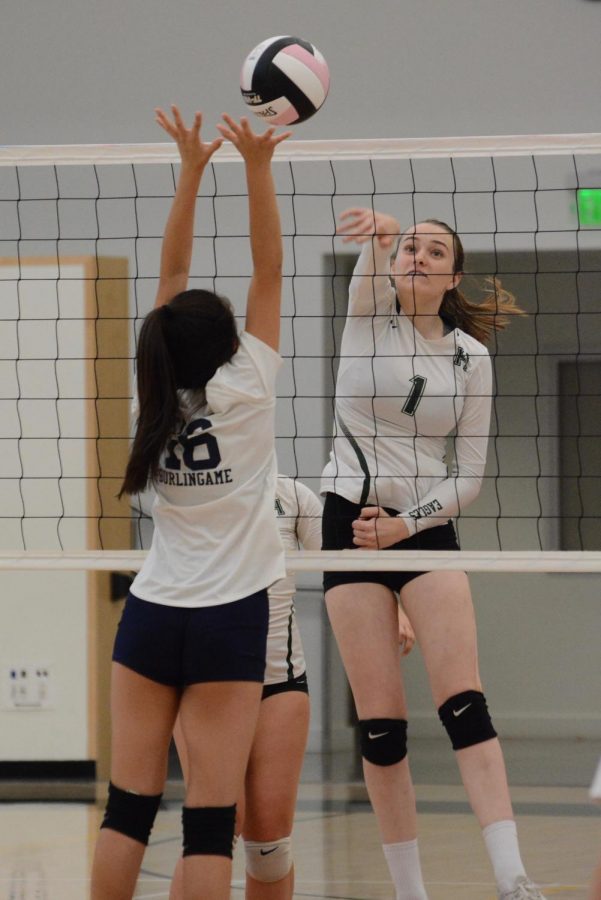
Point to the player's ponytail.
(181, 346)
(157, 399)
(483, 318)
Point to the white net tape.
(343, 560)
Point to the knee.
(383, 741)
(208, 830)
(466, 719)
(272, 818)
(268, 861)
(131, 814)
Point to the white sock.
(405, 870)
(501, 839)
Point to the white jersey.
(398, 397)
(298, 515)
(215, 536)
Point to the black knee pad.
(208, 830)
(466, 719)
(383, 741)
(131, 814)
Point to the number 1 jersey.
(398, 397)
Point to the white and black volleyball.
(284, 80)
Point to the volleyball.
(284, 80)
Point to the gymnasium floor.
(46, 843)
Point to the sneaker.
(524, 889)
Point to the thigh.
(274, 766)
(440, 609)
(364, 619)
(142, 716)
(218, 721)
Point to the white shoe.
(524, 889)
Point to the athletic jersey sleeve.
(370, 290)
(308, 523)
(249, 377)
(453, 495)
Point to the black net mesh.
(80, 251)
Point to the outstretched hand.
(360, 224)
(192, 150)
(252, 147)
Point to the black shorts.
(337, 534)
(177, 646)
(299, 684)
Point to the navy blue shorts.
(178, 646)
(337, 534)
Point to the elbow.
(468, 490)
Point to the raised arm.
(265, 290)
(176, 251)
(376, 233)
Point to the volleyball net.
(80, 235)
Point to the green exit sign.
(589, 206)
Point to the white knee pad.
(268, 860)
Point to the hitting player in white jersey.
(413, 373)
(395, 406)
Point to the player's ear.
(456, 280)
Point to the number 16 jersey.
(398, 397)
(215, 538)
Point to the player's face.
(424, 266)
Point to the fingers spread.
(282, 137)
(196, 124)
(177, 116)
(227, 133)
(163, 120)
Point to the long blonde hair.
(482, 319)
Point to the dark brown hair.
(181, 345)
(481, 319)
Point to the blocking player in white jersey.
(414, 370)
(193, 635)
